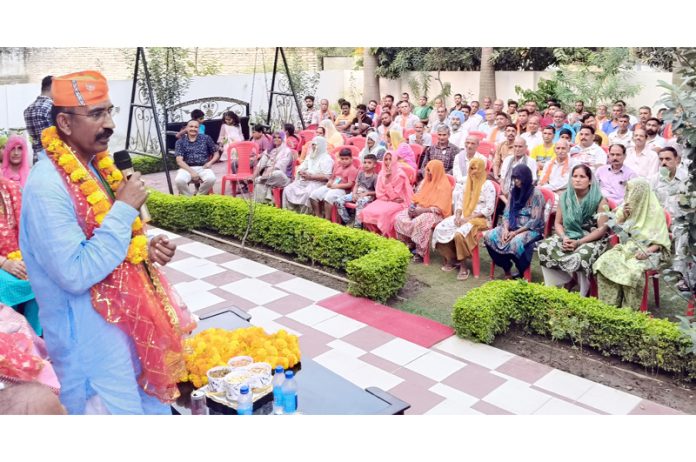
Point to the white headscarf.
(317, 155)
(332, 135)
(376, 148)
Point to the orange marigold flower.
(78, 175)
(88, 187)
(95, 197)
(105, 162)
(101, 207)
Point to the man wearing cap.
(113, 329)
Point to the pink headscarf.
(406, 153)
(7, 172)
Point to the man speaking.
(113, 328)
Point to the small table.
(320, 391)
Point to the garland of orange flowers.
(99, 202)
(16, 255)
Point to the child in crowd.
(341, 180)
(230, 132)
(363, 192)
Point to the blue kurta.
(89, 355)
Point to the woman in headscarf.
(407, 161)
(393, 194)
(523, 224)
(580, 236)
(620, 271)
(396, 139)
(373, 146)
(428, 207)
(274, 169)
(15, 160)
(457, 236)
(313, 173)
(333, 137)
(15, 290)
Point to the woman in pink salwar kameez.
(394, 193)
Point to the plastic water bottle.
(245, 405)
(289, 389)
(278, 380)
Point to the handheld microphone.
(123, 162)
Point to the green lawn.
(437, 291)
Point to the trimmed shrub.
(376, 266)
(145, 164)
(633, 336)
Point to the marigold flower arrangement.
(98, 201)
(16, 255)
(214, 347)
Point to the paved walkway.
(415, 359)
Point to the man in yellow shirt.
(544, 152)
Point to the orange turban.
(79, 89)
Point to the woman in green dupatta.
(620, 271)
(581, 236)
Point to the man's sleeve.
(178, 148)
(52, 235)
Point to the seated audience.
(291, 140)
(581, 236)
(361, 123)
(420, 136)
(15, 290)
(533, 136)
(264, 142)
(312, 174)
(344, 118)
(428, 207)
(422, 111)
(519, 157)
(614, 176)
(621, 270)
(640, 158)
(443, 151)
(600, 138)
(16, 160)
(457, 133)
(504, 150)
(622, 135)
(456, 237)
(363, 191)
(341, 181)
(587, 152)
(393, 194)
(460, 167)
(544, 153)
(405, 119)
(556, 174)
(274, 169)
(196, 153)
(522, 225)
(373, 146)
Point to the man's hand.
(132, 191)
(161, 250)
(195, 177)
(16, 268)
(640, 255)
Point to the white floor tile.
(479, 353)
(347, 348)
(372, 376)
(339, 362)
(248, 267)
(192, 287)
(339, 326)
(263, 313)
(312, 315)
(400, 351)
(196, 267)
(190, 262)
(609, 400)
(452, 407)
(454, 395)
(199, 300)
(556, 406)
(271, 327)
(307, 289)
(152, 231)
(517, 398)
(564, 384)
(435, 366)
(200, 250)
(254, 290)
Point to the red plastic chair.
(480, 135)
(278, 192)
(357, 141)
(418, 151)
(354, 150)
(408, 132)
(244, 174)
(307, 135)
(486, 148)
(550, 199)
(426, 255)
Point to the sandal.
(463, 275)
(682, 286)
(448, 268)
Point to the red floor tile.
(222, 258)
(414, 377)
(416, 329)
(489, 409)
(378, 362)
(646, 407)
(239, 302)
(474, 380)
(287, 305)
(276, 277)
(175, 277)
(226, 277)
(421, 399)
(368, 338)
(524, 369)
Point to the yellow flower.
(99, 218)
(101, 207)
(137, 250)
(137, 224)
(105, 162)
(78, 175)
(16, 255)
(96, 196)
(64, 159)
(71, 166)
(115, 176)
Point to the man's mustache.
(105, 134)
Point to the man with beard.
(405, 119)
(520, 120)
(372, 111)
(458, 103)
(310, 115)
(644, 113)
(388, 105)
(443, 151)
(112, 328)
(386, 125)
(343, 120)
(654, 141)
(458, 134)
(504, 150)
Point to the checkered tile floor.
(415, 359)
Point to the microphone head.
(123, 161)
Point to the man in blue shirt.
(195, 154)
(70, 249)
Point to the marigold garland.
(214, 347)
(16, 255)
(99, 202)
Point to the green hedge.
(633, 336)
(376, 266)
(145, 164)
